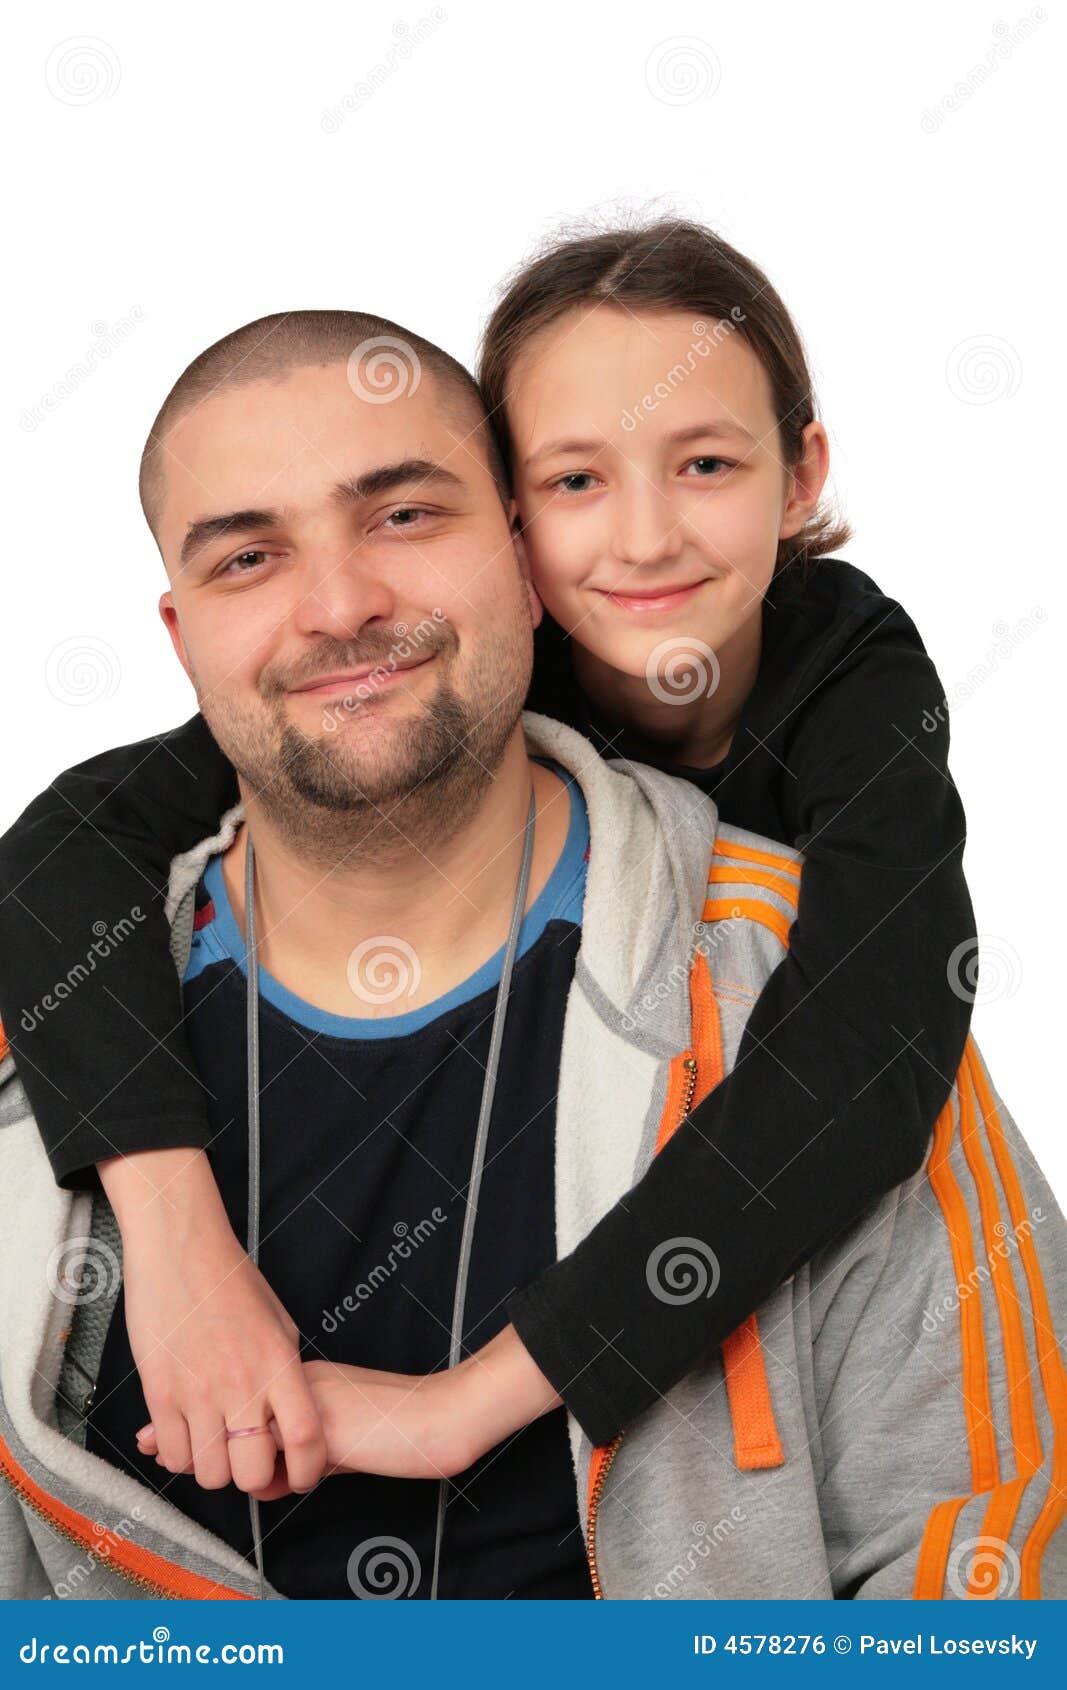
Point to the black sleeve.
(847, 1059)
(89, 997)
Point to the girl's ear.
(537, 609)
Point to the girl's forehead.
(598, 358)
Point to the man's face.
(344, 592)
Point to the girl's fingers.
(301, 1435)
(146, 1440)
(211, 1453)
(173, 1446)
(252, 1458)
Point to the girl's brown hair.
(670, 265)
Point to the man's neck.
(374, 939)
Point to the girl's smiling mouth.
(646, 604)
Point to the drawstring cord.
(455, 1349)
(481, 1138)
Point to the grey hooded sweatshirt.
(891, 1423)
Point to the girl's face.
(649, 482)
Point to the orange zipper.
(128, 1559)
(683, 1079)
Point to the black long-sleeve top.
(847, 1058)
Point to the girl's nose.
(648, 528)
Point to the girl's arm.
(91, 1002)
(847, 1058)
(89, 997)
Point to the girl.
(654, 402)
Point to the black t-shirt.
(848, 1056)
(367, 1133)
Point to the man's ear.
(173, 627)
(537, 609)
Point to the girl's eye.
(705, 466)
(570, 483)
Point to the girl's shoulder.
(822, 617)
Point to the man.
(883, 1414)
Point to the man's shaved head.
(391, 361)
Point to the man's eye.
(706, 466)
(243, 563)
(577, 481)
(405, 516)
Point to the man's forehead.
(289, 441)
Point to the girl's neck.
(697, 732)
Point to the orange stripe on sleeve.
(977, 1408)
(722, 909)
(749, 854)
(728, 875)
(1005, 1498)
(1049, 1363)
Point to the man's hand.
(214, 1347)
(415, 1426)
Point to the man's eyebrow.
(387, 477)
(371, 484)
(722, 428)
(208, 528)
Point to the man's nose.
(338, 593)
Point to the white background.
(174, 173)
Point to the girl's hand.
(414, 1426)
(213, 1345)
(400, 1425)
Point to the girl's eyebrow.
(722, 428)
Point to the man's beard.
(375, 793)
